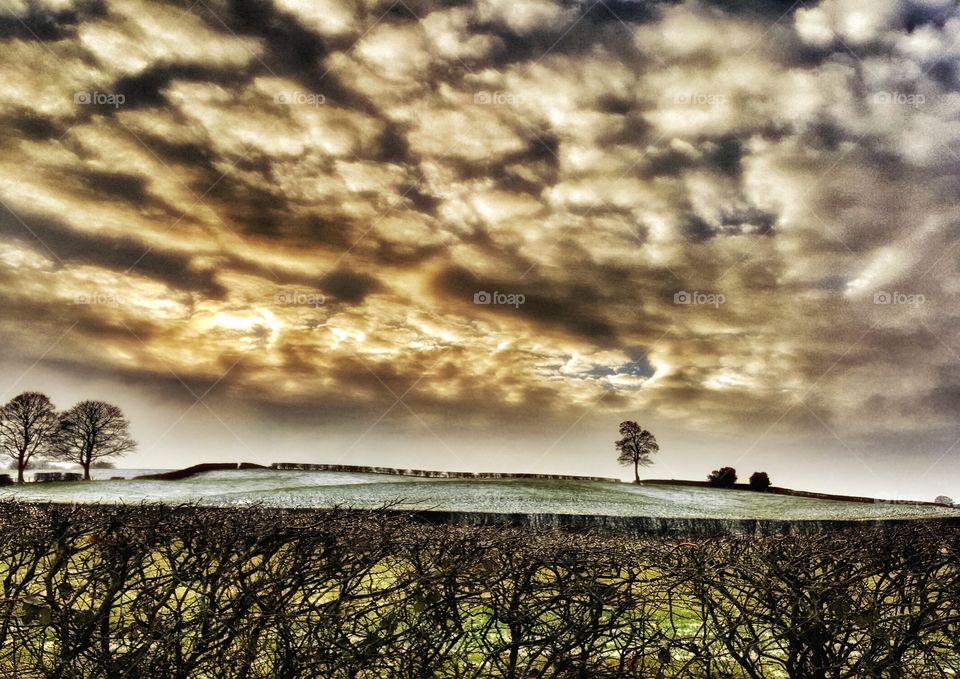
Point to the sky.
(478, 235)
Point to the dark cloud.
(572, 307)
(697, 229)
(145, 89)
(197, 156)
(69, 246)
(625, 11)
(762, 9)
(31, 126)
(314, 229)
(349, 286)
(292, 50)
(39, 23)
(116, 185)
(726, 155)
(584, 26)
(393, 145)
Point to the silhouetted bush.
(725, 477)
(759, 481)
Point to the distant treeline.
(158, 591)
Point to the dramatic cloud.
(736, 218)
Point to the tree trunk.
(20, 472)
(636, 471)
(86, 471)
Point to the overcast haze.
(262, 228)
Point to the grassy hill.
(294, 488)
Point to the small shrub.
(759, 481)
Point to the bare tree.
(92, 430)
(635, 446)
(27, 424)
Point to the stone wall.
(429, 474)
(57, 477)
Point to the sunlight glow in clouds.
(392, 162)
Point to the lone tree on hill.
(91, 431)
(635, 446)
(759, 481)
(27, 424)
(725, 477)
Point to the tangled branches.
(149, 591)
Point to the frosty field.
(362, 490)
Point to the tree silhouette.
(725, 477)
(92, 430)
(27, 424)
(635, 446)
(759, 481)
